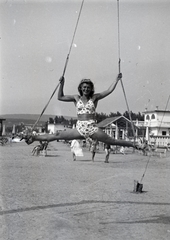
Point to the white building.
(53, 128)
(157, 125)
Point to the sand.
(54, 197)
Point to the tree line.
(99, 117)
(70, 122)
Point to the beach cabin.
(116, 127)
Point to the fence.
(160, 141)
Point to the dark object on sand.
(137, 187)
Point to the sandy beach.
(56, 198)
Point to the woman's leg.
(93, 155)
(74, 156)
(103, 137)
(107, 155)
(68, 134)
(107, 158)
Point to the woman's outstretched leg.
(103, 137)
(68, 134)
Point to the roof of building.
(111, 120)
(2, 119)
(156, 111)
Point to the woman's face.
(86, 89)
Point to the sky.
(36, 36)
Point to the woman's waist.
(85, 117)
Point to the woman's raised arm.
(104, 94)
(61, 96)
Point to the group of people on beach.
(77, 151)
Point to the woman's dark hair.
(86, 81)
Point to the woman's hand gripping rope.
(61, 80)
(119, 76)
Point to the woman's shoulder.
(77, 98)
(95, 97)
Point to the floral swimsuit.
(86, 128)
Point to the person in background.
(76, 149)
(107, 149)
(93, 148)
(122, 150)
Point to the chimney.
(156, 107)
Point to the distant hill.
(28, 118)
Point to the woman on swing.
(85, 103)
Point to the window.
(147, 117)
(153, 116)
(163, 133)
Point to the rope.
(65, 66)
(119, 63)
(118, 18)
(164, 112)
(119, 67)
(73, 38)
(155, 140)
(145, 169)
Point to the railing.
(160, 140)
(157, 124)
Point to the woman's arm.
(61, 96)
(104, 94)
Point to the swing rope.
(119, 63)
(65, 66)
(119, 67)
(73, 38)
(164, 112)
(155, 140)
(145, 169)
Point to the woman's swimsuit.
(86, 128)
(87, 108)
